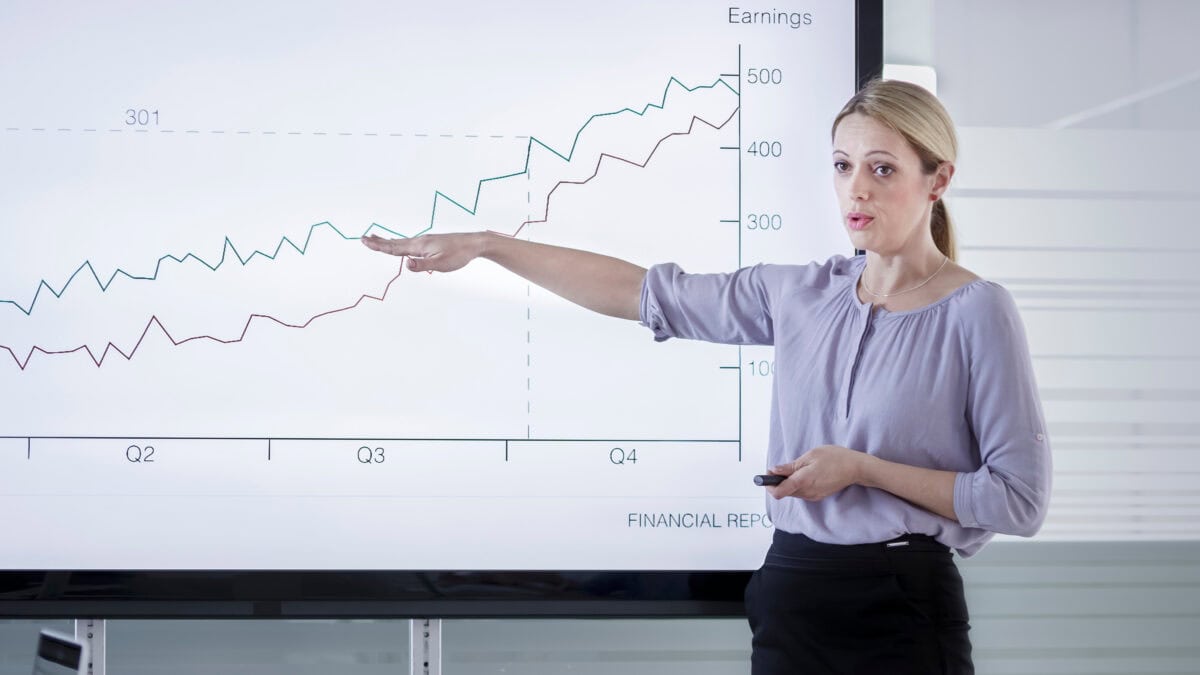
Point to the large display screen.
(203, 368)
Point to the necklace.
(863, 279)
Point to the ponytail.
(943, 230)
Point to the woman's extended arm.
(598, 282)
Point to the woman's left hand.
(818, 473)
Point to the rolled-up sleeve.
(729, 308)
(1010, 491)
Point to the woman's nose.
(858, 186)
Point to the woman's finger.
(399, 247)
(784, 469)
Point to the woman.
(905, 416)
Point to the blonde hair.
(919, 117)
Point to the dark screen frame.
(383, 594)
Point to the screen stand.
(90, 632)
(426, 647)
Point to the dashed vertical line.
(528, 314)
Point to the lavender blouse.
(947, 386)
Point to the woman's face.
(882, 191)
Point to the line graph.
(192, 336)
(228, 245)
(154, 321)
(98, 360)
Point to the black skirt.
(894, 607)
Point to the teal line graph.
(438, 195)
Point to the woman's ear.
(941, 180)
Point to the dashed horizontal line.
(244, 132)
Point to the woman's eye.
(883, 170)
(839, 166)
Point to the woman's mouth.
(858, 221)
